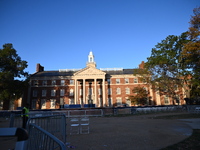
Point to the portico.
(86, 82)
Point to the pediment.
(90, 71)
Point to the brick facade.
(104, 88)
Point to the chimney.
(39, 68)
(141, 66)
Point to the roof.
(70, 73)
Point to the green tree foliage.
(11, 70)
(165, 65)
(140, 97)
(191, 53)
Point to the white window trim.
(118, 91)
(52, 103)
(71, 82)
(62, 92)
(119, 101)
(126, 80)
(71, 92)
(127, 90)
(62, 82)
(117, 81)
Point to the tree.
(164, 66)
(140, 96)
(191, 53)
(11, 70)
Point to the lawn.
(191, 143)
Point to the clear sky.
(59, 34)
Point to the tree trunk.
(6, 104)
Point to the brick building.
(101, 87)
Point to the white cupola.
(91, 61)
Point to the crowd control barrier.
(40, 139)
(55, 124)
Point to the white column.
(83, 91)
(158, 102)
(95, 92)
(104, 95)
(75, 90)
(151, 94)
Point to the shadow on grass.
(191, 143)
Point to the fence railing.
(40, 139)
(54, 124)
(193, 109)
(87, 112)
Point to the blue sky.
(59, 34)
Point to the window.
(135, 80)
(109, 81)
(44, 92)
(34, 93)
(127, 90)
(117, 81)
(62, 82)
(44, 82)
(71, 101)
(90, 59)
(118, 91)
(71, 92)
(109, 91)
(53, 82)
(166, 100)
(99, 91)
(126, 80)
(71, 82)
(110, 102)
(89, 91)
(53, 104)
(128, 102)
(119, 101)
(53, 92)
(34, 104)
(43, 104)
(62, 92)
(61, 101)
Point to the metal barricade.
(40, 139)
(16, 120)
(54, 124)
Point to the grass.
(191, 143)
